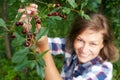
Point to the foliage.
(25, 58)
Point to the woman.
(88, 50)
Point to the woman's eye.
(79, 39)
(93, 44)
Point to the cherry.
(56, 13)
(29, 35)
(35, 17)
(24, 31)
(35, 34)
(12, 35)
(26, 44)
(64, 17)
(28, 39)
(49, 14)
(61, 15)
(38, 21)
(58, 5)
(17, 23)
(21, 23)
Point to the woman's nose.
(84, 48)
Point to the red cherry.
(35, 34)
(28, 39)
(21, 23)
(58, 5)
(61, 15)
(12, 35)
(17, 23)
(29, 35)
(64, 17)
(38, 22)
(56, 13)
(26, 44)
(49, 14)
(35, 17)
(24, 31)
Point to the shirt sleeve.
(57, 45)
(103, 72)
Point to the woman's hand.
(42, 44)
(29, 12)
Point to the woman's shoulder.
(104, 66)
(107, 64)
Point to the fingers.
(38, 26)
(21, 10)
(28, 13)
(30, 10)
(34, 5)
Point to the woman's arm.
(51, 72)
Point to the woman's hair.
(97, 22)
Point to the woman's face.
(87, 45)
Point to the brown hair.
(97, 22)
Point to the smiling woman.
(88, 50)
(88, 45)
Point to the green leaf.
(66, 10)
(2, 24)
(19, 14)
(41, 62)
(18, 41)
(22, 65)
(43, 31)
(41, 55)
(40, 71)
(86, 17)
(72, 3)
(20, 55)
(32, 64)
(83, 3)
(23, 1)
(81, 13)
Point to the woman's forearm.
(51, 72)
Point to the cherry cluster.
(57, 13)
(31, 11)
(29, 36)
(29, 40)
(19, 23)
(38, 21)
